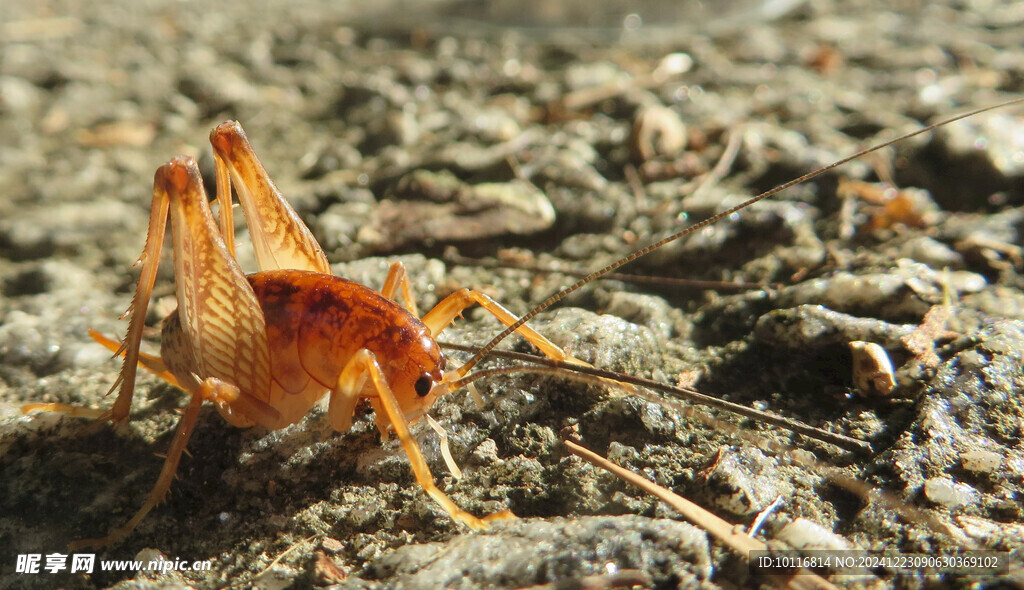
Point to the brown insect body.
(302, 326)
(315, 323)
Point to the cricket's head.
(417, 377)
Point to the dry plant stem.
(729, 534)
(724, 164)
(762, 517)
(281, 556)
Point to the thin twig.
(724, 164)
(275, 561)
(729, 534)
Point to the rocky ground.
(432, 134)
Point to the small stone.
(620, 454)
(872, 369)
(806, 534)
(513, 552)
(948, 493)
(657, 132)
(279, 578)
(981, 461)
(485, 453)
(1002, 143)
(743, 481)
(673, 64)
(815, 326)
(428, 207)
(332, 545)
(149, 554)
(18, 95)
(932, 252)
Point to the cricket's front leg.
(398, 280)
(363, 368)
(150, 261)
(438, 318)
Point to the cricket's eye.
(423, 385)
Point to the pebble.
(815, 325)
(485, 453)
(742, 481)
(989, 532)
(430, 207)
(605, 341)
(26, 340)
(948, 493)
(981, 461)
(1000, 136)
(513, 553)
(932, 252)
(910, 288)
(17, 95)
(590, 75)
(658, 132)
(646, 310)
(807, 534)
(872, 369)
(621, 454)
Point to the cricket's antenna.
(562, 294)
